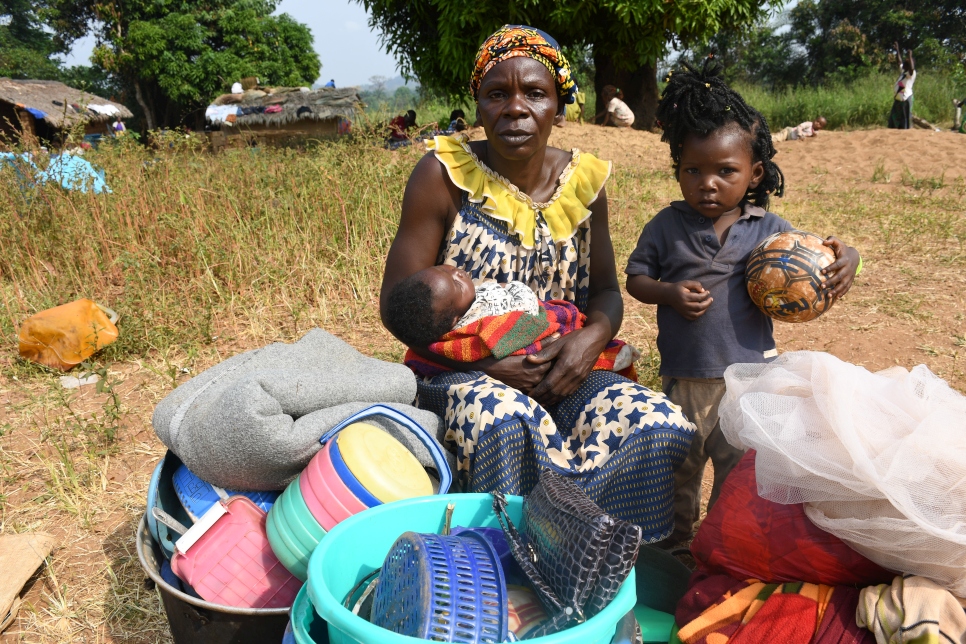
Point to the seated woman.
(512, 208)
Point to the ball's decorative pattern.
(784, 276)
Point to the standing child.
(900, 117)
(690, 261)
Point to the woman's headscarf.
(511, 41)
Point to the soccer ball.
(784, 276)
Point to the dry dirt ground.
(57, 476)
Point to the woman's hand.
(840, 274)
(520, 372)
(572, 357)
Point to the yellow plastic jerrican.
(382, 464)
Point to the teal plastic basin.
(293, 532)
(358, 545)
(307, 627)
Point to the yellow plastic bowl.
(382, 464)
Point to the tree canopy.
(818, 41)
(25, 46)
(843, 36)
(175, 55)
(436, 41)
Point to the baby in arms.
(440, 308)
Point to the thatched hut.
(46, 109)
(280, 116)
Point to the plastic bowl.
(307, 626)
(322, 503)
(320, 474)
(347, 477)
(161, 495)
(360, 544)
(384, 466)
(292, 531)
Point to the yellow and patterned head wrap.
(511, 41)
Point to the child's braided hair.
(700, 102)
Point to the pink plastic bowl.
(327, 497)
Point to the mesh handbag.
(574, 554)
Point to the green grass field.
(278, 240)
(864, 103)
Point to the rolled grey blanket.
(253, 422)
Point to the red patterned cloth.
(512, 334)
(718, 609)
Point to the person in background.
(457, 121)
(119, 128)
(959, 125)
(575, 110)
(900, 117)
(800, 131)
(345, 126)
(331, 83)
(399, 126)
(616, 113)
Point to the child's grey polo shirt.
(680, 244)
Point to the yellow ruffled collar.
(577, 188)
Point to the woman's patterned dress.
(617, 439)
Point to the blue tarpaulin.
(70, 171)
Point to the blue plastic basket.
(511, 571)
(358, 489)
(443, 588)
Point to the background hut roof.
(42, 94)
(297, 105)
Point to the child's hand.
(690, 299)
(840, 274)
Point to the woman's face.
(518, 104)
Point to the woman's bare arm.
(429, 205)
(429, 208)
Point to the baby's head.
(819, 123)
(697, 108)
(427, 304)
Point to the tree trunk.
(639, 87)
(148, 113)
